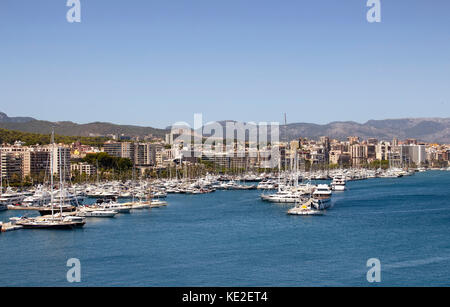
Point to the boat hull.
(55, 210)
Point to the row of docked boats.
(58, 219)
(64, 211)
(308, 199)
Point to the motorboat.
(95, 212)
(10, 197)
(115, 206)
(322, 192)
(283, 197)
(156, 203)
(305, 209)
(40, 197)
(338, 184)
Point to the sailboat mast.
(51, 169)
(1, 173)
(61, 185)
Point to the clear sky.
(154, 63)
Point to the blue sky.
(157, 62)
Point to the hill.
(67, 128)
(11, 136)
(422, 129)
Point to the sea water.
(232, 238)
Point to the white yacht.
(139, 205)
(321, 204)
(68, 198)
(10, 197)
(267, 185)
(322, 192)
(40, 197)
(156, 203)
(283, 197)
(95, 212)
(114, 206)
(338, 183)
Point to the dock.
(11, 207)
(9, 227)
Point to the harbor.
(234, 236)
(67, 204)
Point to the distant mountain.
(67, 128)
(6, 119)
(422, 129)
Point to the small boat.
(156, 203)
(96, 213)
(305, 209)
(338, 183)
(114, 206)
(140, 205)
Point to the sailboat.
(3, 205)
(140, 204)
(53, 222)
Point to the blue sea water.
(232, 238)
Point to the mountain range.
(68, 128)
(422, 129)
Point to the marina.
(227, 236)
(108, 199)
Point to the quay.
(12, 207)
(4, 227)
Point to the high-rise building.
(113, 149)
(61, 161)
(358, 154)
(412, 154)
(382, 151)
(11, 166)
(84, 169)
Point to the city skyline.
(242, 61)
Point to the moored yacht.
(156, 203)
(10, 197)
(95, 212)
(322, 192)
(39, 198)
(283, 197)
(113, 206)
(338, 184)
